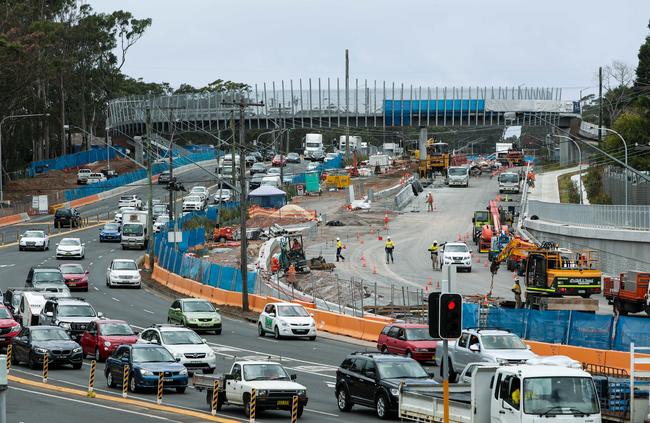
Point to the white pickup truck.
(525, 393)
(274, 387)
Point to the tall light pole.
(579, 163)
(2, 122)
(624, 145)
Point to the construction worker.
(434, 255)
(430, 202)
(296, 245)
(516, 288)
(339, 247)
(389, 247)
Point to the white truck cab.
(544, 389)
(314, 149)
(509, 182)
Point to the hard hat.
(338, 239)
(388, 237)
(435, 241)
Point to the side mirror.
(57, 243)
(86, 272)
(471, 251)
(293, 376)
(205, 341)
(125, 359)
(100, 314)
(83, 244)
(49, 314)
(371, 374)
(474, 348)
(228, 376)
(178, 359)
(272, 314)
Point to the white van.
(30, 308)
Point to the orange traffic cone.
(379, 238)
(486, 264)
(374, 269)
(372, 231)
(363, 263)
(437, 285)
(362, 257)
(458, 237)
(478, 259)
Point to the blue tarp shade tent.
(268, 197)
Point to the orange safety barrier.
(84, 201)
(10, 220)
(609, 358)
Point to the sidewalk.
(546, 188)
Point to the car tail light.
(562, 290)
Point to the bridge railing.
(595, 215)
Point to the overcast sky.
(554, 43)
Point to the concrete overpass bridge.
(324, 104)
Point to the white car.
(222, 196)
(457, 254)
(34, 240)
(131, 200)
(274, 171)
(70, 248)
(123, 272)
(95, 178)
(160, 222)
(286, 320)
(201, 192)
(82, 176)
(120, 213)
(184, 344)
(193, 203)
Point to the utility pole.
(280, 148)
(172, 205)
(347, 105)
(243, 209)
(233, 150)
(150, 193)
(600, 104)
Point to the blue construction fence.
(175, 259)
(73, 160)
(336, 163)
(575, 328)
(84, 191)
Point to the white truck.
(134, 229)
(274, 387)
(355, 142)
(314, 149)
(509, 182)
(525, 393)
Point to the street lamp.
(1, 122)
(579, 163)
(625, 145)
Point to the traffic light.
(434, 315)
(450, 318)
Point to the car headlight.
(64, 325)
(177, 355)
(107, 344)
(144, 372)
(283, 323)
(192, 320)
(262, 392)
(183, 372)
(501, 361)
(421, 349)
(40, 350)
(394, 391)
(77, 350)
(302, 392)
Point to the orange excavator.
(489, 231)
(514, 254)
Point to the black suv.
(165, 177)
(67, 217)
(372, 380)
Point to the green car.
(196, 314)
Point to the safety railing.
(598, 216)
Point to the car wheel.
(77, 366)
(381, 407)
(133, 387)
(109, 380)
(20, 248)
(98, 356)
(469, 270)
(217, 332)
(408, 354)
(300, 410)
(384, 349)
(14, 358)
(276, 333)
(260, 330)
(312, 338)
(343, 400)
(247, 406)
(31, 363)
(181, 389)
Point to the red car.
(102, 337)
(8, 327)
(279, 161)
(76, 278)
(411, 340)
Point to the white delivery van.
(30, 307)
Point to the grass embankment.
(568, 191)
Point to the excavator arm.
(516, 247)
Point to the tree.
(643, 69)
(635, 129)
(617, 82)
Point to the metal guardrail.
(598, 216)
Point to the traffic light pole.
(445, 357)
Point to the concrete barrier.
(13, 219)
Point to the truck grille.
(194, 355)
(282, 394)
(60, 352)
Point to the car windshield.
(198, 190)
(116, 329)
(265, 372)
(162, 219)
(502, 342)
(418, 334)
(457, 171)
(150, 355)
(53, 334)
(4, 314)
(259, 166)
(47, 277)
(456, 248)
(34, 234)
(193, 199)
(62, 212)
(401, 369)
(71, 269)
(180, 337)
(277, 157)
(15, 299)
(224, 192)
(509, 177)
(76, 310)
(197, 306)
(124, 265)
(70, 242)
(127, 198)
(132, 229)
(112, 227)
(160, 208)
(559, 395)
(292, 311)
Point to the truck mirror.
(293, 376)
(228, 376)
(474, 348)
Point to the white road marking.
(147, 311)
(6, 265)
(95, 288)
(115, 299)
(99, 257)
(321, 412)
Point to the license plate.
(72, 283)
(168, 379)
(581, 291)
(283, 402)
(205, 324)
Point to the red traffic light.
(451, 305)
